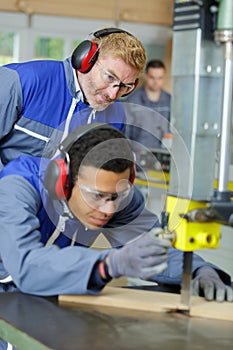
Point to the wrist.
(113, 261)
(104, 271)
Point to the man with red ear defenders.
(63, 205)
(40, 96)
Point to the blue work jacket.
(41, 100)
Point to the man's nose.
(113, 92)
(108, 207)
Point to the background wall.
(28, 31)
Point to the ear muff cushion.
(132, 176)
(85, 56)
(57, 180)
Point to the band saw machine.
(202, 76)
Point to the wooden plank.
(148, 11)
(7, 5)
(124, 298)
(101, 9)
(149, 301)
(209, 309)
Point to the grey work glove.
(208, 283)
(143, 257)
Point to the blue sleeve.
(11, 100)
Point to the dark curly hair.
(106, 149)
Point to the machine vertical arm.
(224, 35)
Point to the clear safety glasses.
(97, 199)
(110, 80)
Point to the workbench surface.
(36, 323)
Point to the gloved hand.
(208, 282)
(143, 257)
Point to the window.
(6, 47)
(46, 48)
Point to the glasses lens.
(126, 88)
(110, 80)
(96, 198)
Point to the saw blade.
(186, 291)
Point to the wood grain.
(149, 301)
(148, 11)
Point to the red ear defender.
(85, 56)
(57, 180)
(132, 175)
(86, 53)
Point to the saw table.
(37, 323)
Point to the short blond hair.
(125, 46)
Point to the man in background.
(148, 125)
